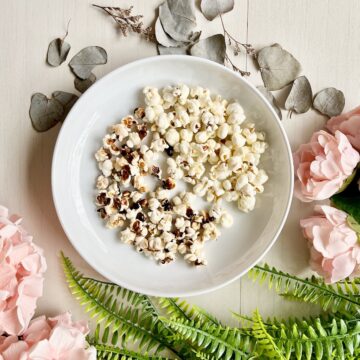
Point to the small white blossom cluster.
(155, 224)
(210, 145)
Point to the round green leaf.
(58, 51)
(212, 48)
(83, 85)
(212, 8)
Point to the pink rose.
(334, 246)
(55, 338)
(22, 266)
(322, 165)
(348, 124)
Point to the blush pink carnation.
(348, 124)
(55, 338)
(334, 246)
(22, 266)
(322, 165)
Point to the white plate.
(74, 171)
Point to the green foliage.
(187, 332)
(342, 297)
(219, 342)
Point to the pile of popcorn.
(207, 145)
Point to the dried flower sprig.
(128, 22)
(237, 46)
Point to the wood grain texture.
(323, 35)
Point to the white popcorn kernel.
(210, 197)
(113, 189)
(139, 183)
(154, 204)
(226, 184)
(184, 94)
(102, 182)
(136, 196)
(236, 118)
(115, 221)
(211, 232)
(152, 96)
(184, 148)
(193, 106)
(149, 114)
(241, 181)
(155, 216)
(187, 197)
(225, 153)
(196, 170)
(234, 163)
(258, 147)
(246, 203)
(261, 178)
(176, 200)
(141, 242)
(223, 131)
(200, 189)
(213, 159)
(127, 236)
(186, 135)
(238, 140)
(101, 155)
(134, 140)
(161, 194)
(234, 108)
(201, 137)
(219, 192)
(226, 220)
(120, 130)
(172, 137)
(195, 126)
(249, 190)
(106, 167)
(250, 136)
(162, 121)
(179, 222)
(180, 209)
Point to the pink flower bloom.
(55, 338)
(22, 266)
(334, 246)
(322, 165)
(348, 124)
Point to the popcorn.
(208, 144)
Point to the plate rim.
(54, 169)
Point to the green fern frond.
(108, 352)
(116, 321)
(315, 338)
(311, 290)
(265, 342)
(214, 340)
(181, 309)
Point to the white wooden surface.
(323, 35)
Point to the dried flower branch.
(237, 46)
(127, 22)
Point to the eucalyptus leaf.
(278, 67)
(212, 48)
(183, 50)
(212, 8)
(44, 112)
(83, 85)
(329, 101)
(271, 99)
(58, 51)
(67, 100)
(162, 37)
(300, 96)
(86, 59)
(178, 18)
